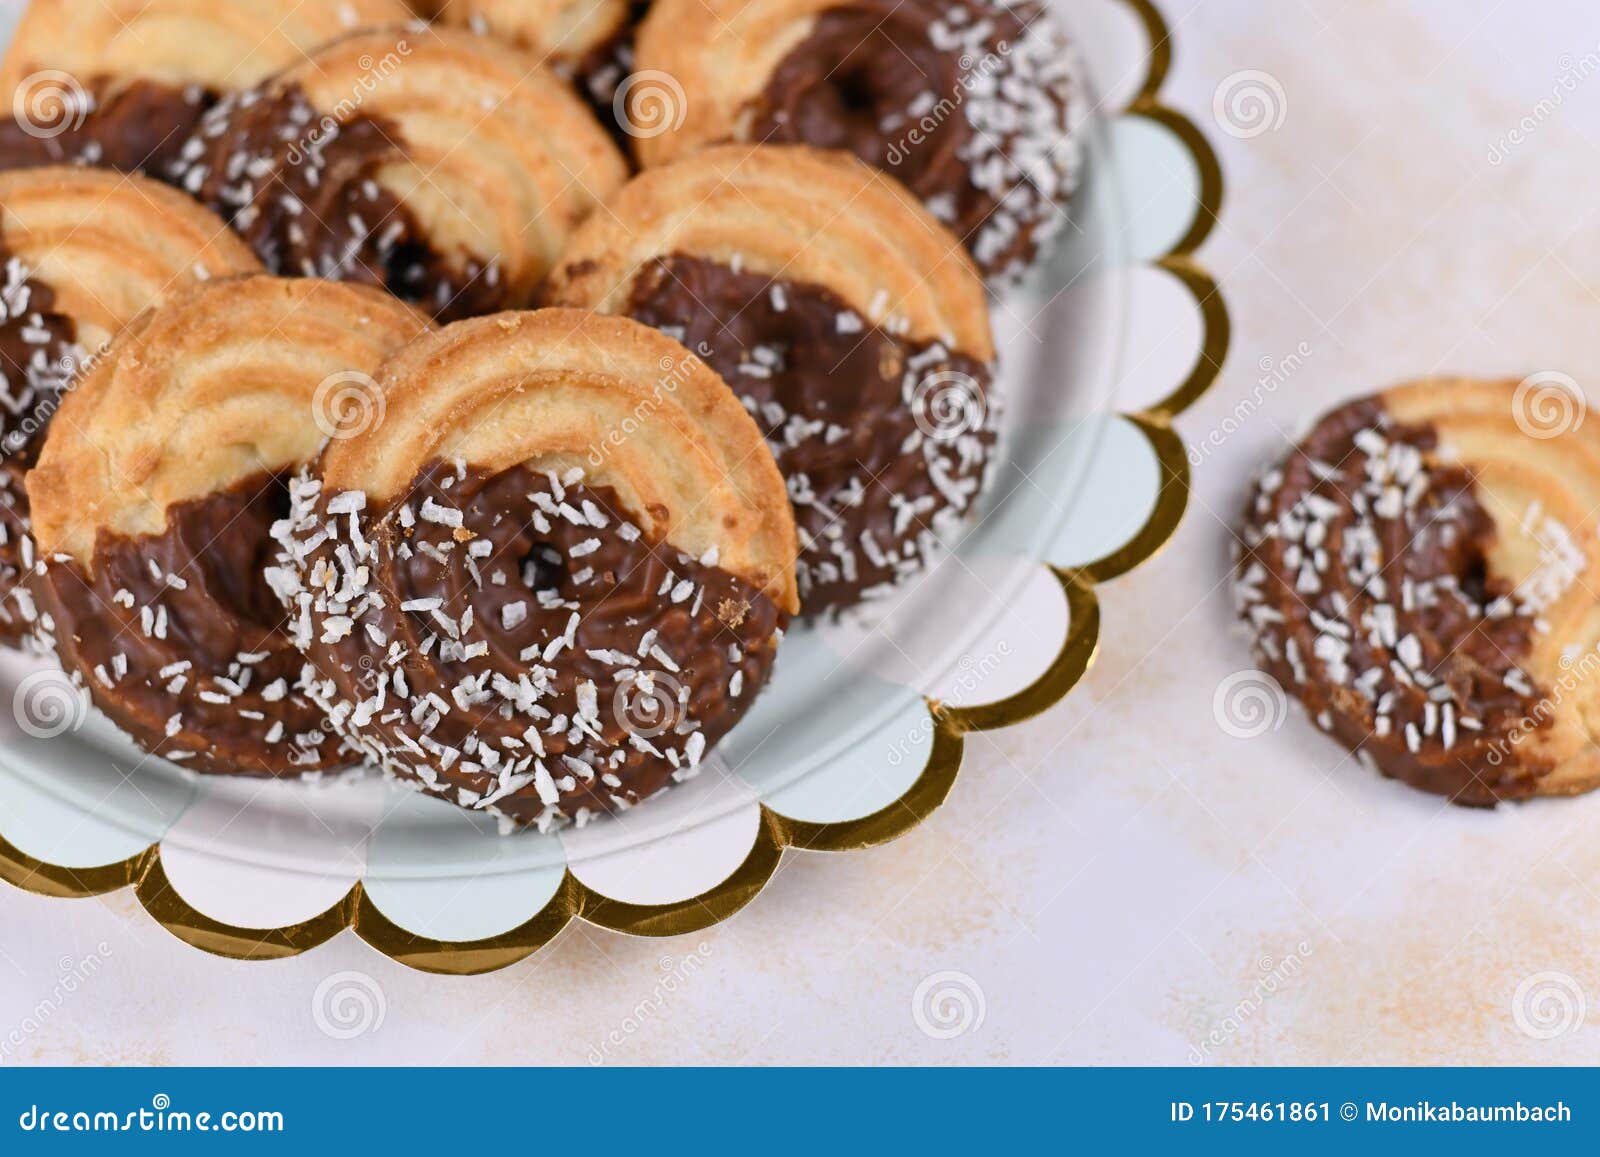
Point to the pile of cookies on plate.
(479, 392)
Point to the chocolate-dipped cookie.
(1420, 572)
(553, 577)
(590, 42)
(972, 104)
(851, 324)
(121, 83)
(153, 500)
(83, 252)
(441, 165)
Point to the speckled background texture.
(1121, 881)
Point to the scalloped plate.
(858, 739)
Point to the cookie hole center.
(239, 553)
(543, 568)
(858, 94)
(1474, 579)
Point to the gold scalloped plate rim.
(775, 834)
(573, 899)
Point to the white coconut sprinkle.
(1414, 689)
(494, 739)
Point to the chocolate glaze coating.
(517, 644)
(600, 74)
(301, 189)
(181, 642)
(966, 102)
(136, 126)
(39, 357)
(860, 421)
(1364, 579)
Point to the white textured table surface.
(1121, 881)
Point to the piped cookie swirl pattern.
(506, 605)
(153, 500)
(440, 165)
(120, 83)
(972, 104)
(83, 253)
(850, 323)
